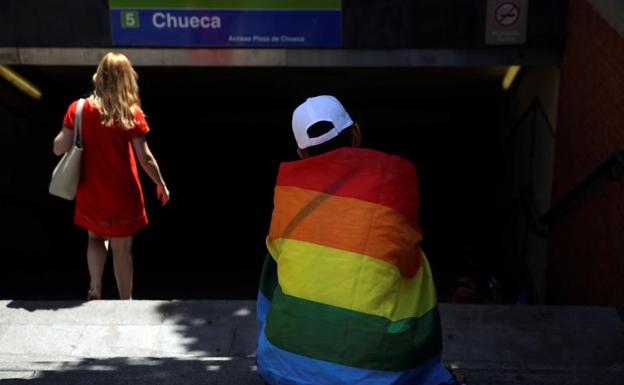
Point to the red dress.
(109, 200)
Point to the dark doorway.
(219, 135)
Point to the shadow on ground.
(136, 371)
(43, 305)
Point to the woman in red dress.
(109, 200)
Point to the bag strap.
(78, 123)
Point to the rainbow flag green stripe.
(350, 338)
(268, 277)
(228, 4)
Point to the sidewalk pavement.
(213, 342)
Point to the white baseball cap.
(317, 109)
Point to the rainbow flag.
(346, 294)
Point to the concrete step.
(213, 342)
(539, 345)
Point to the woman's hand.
(162, 193)
(150, 166)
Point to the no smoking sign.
(507, 14)
(505, 22)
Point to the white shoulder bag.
(66, 174)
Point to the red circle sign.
(507, 14)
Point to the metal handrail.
(581, 189)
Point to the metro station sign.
(226, 23)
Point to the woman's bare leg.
(122, 262)
(96, 259)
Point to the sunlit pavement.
(213, 342)
(128, 342)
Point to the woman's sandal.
(92, 295)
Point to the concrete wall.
(588, 243)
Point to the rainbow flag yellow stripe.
(351, 281)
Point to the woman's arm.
(63, 141)
(150, 166)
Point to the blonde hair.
(116, 93)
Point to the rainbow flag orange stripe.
(333, 174)
(363, 227)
